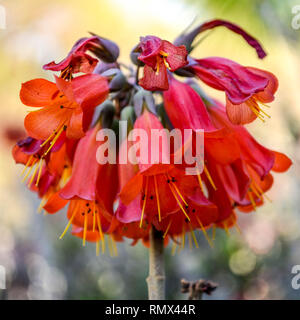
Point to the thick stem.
(156, 278)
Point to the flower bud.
(142, 99)
(104, 49)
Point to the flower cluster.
(114, 200)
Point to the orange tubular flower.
(157, 190)
(89, 202)
(64, 105)
(246, 180)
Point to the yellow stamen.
(190, 241)
(168, 227)
(42, 203)
(204, 232)
(27, 164)
(261, 110)
(194, 237)
(164, 54)
(40, 172)
(157, 199)
(256, 112)
(226, 229)
(94, 216)
(33, 175)
(144, 202)
(253, 189)
(199, 180)
(257, 186)
(69, 223)
(48, 139)
(84, 229)
(115, 248)
(110, 249)
(157, 65)
(174, 246)
(30, 169)
(177, 190)
(265, 105)
(214, 232)
(166, 64)
(252, 200)
(209, 178)
(101, 233)
(52, 143)
(179, 203)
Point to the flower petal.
(37, 92)
(282, 162)
(239, 113)
(153, 80)
(42, 123)
(55, 203)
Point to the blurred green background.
(255, 264)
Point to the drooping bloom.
(247, 89)
(79, 61)
(89, 201)
(186, 110)
(64, 106)
(247, 179)
(159, 56)
(159, 190)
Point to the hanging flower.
(247, 89)
(159, 56)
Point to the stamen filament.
(261, 191)
(110, 249)
(52, 143)
(157, 199)
(144, 202)
(84, 229)
(115, 248)
(69, 223)
(194, 237)
(214, 232)
(252, 200)
(205, 232)
(94, 216)
(177, 190)
(209, 178)
(101, 233)
(179, 203)
(30, 169)
(33, 175)
(27, 164)
(168, 227)
(174, 246)
(199, 180)
(190, 241)
(40, 172)
(255, 192)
